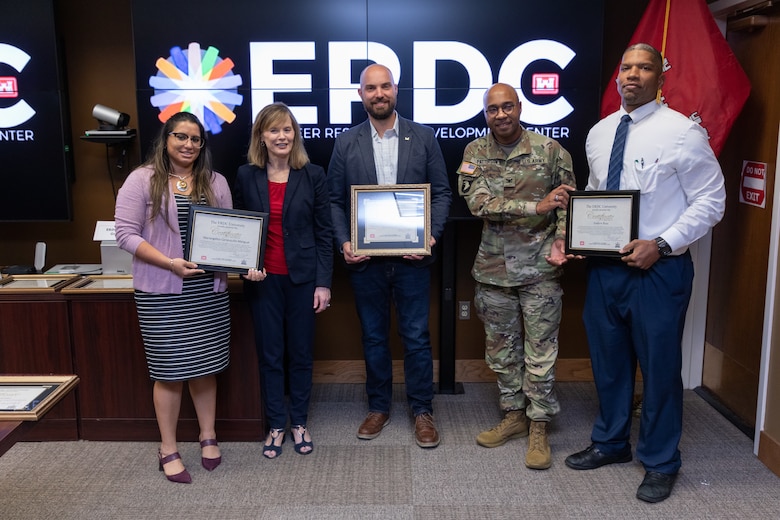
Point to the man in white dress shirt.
(635, 306)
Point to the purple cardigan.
(133, 227)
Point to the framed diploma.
(227, 240)
(600, 223)
(27, 398)
(391, 220)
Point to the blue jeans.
(408, 288)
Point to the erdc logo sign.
(20, 112)
(266, 81)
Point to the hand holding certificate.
(228, 240)
(600, 223)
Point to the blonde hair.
(271, 115)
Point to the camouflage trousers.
(521, 343)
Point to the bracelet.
(170, 267)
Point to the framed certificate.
(227, 240)
(391, 220)
(122, 283)
(600, 223)
(27, 398)
(36, 282)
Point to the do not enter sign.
(753, 187)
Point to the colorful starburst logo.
(197, 81)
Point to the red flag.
(704, 80)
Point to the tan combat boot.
(514, 425)
(538, 455)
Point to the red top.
(274, 261)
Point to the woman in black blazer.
(294, 283)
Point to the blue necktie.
(616, 157)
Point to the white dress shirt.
(386, 154)
(669, 159)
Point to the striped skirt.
(185, 335)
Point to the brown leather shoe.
(372, 425)
(425, 432)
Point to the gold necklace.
(181, 184)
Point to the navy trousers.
(283, 318)
(632, 315)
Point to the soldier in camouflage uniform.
(518, 182)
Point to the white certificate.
(20, 397)
(226, 239)
(600, 223)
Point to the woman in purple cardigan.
(183, 311)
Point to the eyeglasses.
(196, 140)
(506, 108)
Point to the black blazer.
(420, 161)
(306, 218)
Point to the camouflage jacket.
(503, 191)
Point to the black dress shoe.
(592, 458)
(656, 486)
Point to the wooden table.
(11, 432)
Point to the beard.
(382, 113)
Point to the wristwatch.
(663, 247)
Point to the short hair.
(658, 60)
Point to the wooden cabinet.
(115, 392)
(96, 336)
(35, 339)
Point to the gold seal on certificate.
(227, 240)
(600, 223)
(391, 220)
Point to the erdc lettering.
(342, 91)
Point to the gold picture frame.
(391, 220)
(29, 397)
(122, 283)
(35, 283)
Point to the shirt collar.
(375, 134)
(640, 113)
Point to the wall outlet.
(464, 310)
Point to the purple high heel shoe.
(210, 464)
(180, 478)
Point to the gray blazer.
(420, 161)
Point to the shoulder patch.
(466, 185)
(467, 168)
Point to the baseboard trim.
(769, 452)
(466, 371)
(706, 394)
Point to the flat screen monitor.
(35, 158)
(226, 60)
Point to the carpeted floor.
(390, 477)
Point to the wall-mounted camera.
(112, 123)
(109, 118)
